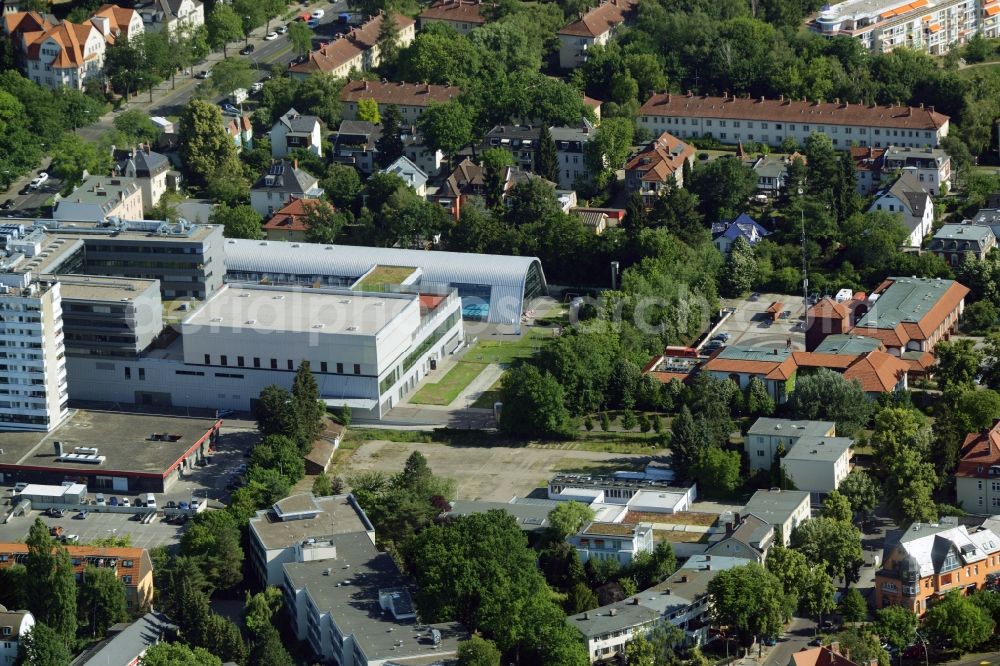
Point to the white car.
(40, 180)
(70, 538)
(257, 87)
(195, 503)
(282, 30)
(318, 14)
(125, 502)
(270, 37)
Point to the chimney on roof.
(930, 108)
(836, 100)
(762, 99)
(635, 601)
(835, 647)
(668, 98)
(295, 164)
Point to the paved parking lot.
(202, 482)
(96, 526)
(748, 326)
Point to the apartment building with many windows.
(733, 119)
(932, 559)
(932, 26)
(977, 477)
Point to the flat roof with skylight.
(290, 309)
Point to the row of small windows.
(749, 124)
(289, 364)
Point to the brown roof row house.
(462, 15)
(132, 566)
(733, 119)
(357, 51)
(595, 27)
(658, 166)
(826, 656)
(410, 98)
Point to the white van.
(99, 500)
(149, 500)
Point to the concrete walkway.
(482, 383)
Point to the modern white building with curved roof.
(493, 288)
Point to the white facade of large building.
(365, 350)
(819, 464)
(768, 437)
(933, 26)
(33, 393)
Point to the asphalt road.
(170, 98)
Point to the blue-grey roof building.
(493, 288)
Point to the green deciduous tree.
(478, 651)
(231, 75)
(837, 507)
(44, 646)
(957, 364)
(446, 127)
(853, 606)
(101, 600)
(300, 36)
(860, 491)
(178, 654)
(826, 395)
(259, 611)
(282, 454)
(495, 162)
(835, 544)
(957, 619)
(817, 594)
(607, 151)
(205, 148)
(569, 517)
(533, 404)
(790, 567)
(759, 401)
(896, 625)
(750, 600)
(72, 157)
(510, 604)
(640, 652)
(863, 645)
(238, 221)
(213, 537)
(910, 487)
(136, 126)
(224, 26)
(368, 111)
(718, 471)
(723, 186)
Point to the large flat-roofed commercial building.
(366, 349)
(186, 258)
(104, 316)
(493, 288)
(732, 119)
(932, 26)
(110, 451)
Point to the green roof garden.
(381, 276)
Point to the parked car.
(82, 515)
(54, 513)
(70, 538)
(282, 30)
(769, 640)
(313, 23)
(271, 36)
(126, 502)
(318, 14)
(55, 531)
(183, 506)
(7, 205)
(25, 190)
(755, 296)
(113, 501)
(720, 337)
(171, 504)
(18, 487)
(230, 109)
(39, 180)
(247, 50)
(257, 86)
(195, 503)
(203, 74)
(785, 314)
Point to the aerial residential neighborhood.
(521, 333)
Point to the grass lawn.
(380, 276)
(447, 389)
(484, 352)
